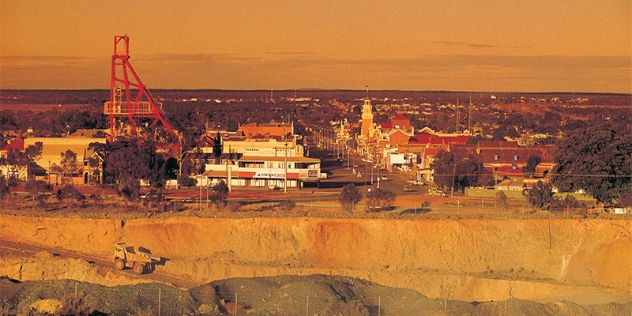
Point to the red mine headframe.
(129, 98)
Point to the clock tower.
(367, 118)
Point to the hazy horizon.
(535, 47)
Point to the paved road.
(156, 276)
(363, 174)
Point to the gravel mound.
(281, 295)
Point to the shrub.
(349, 197)
(186, 182)
(69, 192)
(233, 206)
(379, 200)
(287, 205)
(219, 193)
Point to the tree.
(34, 152)
(95, 164)
(68, 165)
(501, 197)
(35, 187)
(4, 186)
(539, 196)
(597, 160)
(443, 166)
(458, 173)
(219, 193)
(123, 165)
(529, 168)
(128, 161)
(23, 159)
(379, 199)
(217, 147)
(567, 204)
(186, 181)
(153, 165)
(469, 172)
(349, 197)
(232, 125)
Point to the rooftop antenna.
(367, 92)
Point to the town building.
(49, 163)
(13, 170)
(267, 156)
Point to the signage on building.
(311, 174)
(398, 159)
(269, 175)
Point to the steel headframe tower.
(129, 98)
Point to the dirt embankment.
(586, 261)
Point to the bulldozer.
(132, 257)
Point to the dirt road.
(7, 246)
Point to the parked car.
(436, 191)
(407, 188)
(384, 178)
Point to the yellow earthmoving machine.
(132, 257)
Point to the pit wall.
(471, 259)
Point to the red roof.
(16, 144)
(507, 171)
(425, 138)
(497, 144)
(399, 117)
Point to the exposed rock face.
(44, 266)
(469, 260)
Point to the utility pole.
(372, 167)
(285, 174)
(457, 115)
(453, 180)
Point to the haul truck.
(132, 257)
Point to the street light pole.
(453, 180)
(365, 171)
(379, 166)
(285, 174)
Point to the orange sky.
(484, 45)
